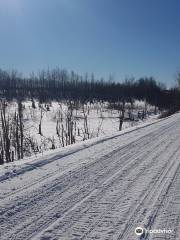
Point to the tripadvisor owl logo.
(139, 231)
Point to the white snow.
(102, 188)
(100, 119)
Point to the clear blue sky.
(119, 37)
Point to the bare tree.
(21, 128)
(5, 123)
(121, 114)
(86, 128)
(42, 112)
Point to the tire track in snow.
(77, 188)
(151, 198)
(19, 210)
(116, 200)
(139, 174)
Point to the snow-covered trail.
(103, 191)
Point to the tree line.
(60, 84)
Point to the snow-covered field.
(99, 189)
(101, 120)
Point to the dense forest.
(57, 84)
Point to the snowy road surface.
(103, 191)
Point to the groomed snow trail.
(101, 192)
